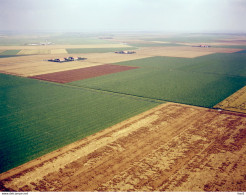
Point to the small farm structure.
(68, 59)
(202, 46)
(125, 52)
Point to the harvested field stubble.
(172, 147)
(184, 52)
(236, 102)
(35, 65)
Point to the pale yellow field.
(185, 52)
(105, 58)
(37, 64)
(236, 102)
(225, 42)
(33, 51)
(58, 51)
(49, 47)
(43, 67)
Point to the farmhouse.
(68, 59)
(202, 46)
(125, 52)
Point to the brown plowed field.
(172, 147)
(82, 73)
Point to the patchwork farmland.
(170, 117)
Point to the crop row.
(40, 117)
(177, 79)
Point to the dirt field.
(83, 73)
(184, 52)
(236, 102)
(172, 147)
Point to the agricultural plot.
(38, 117)
(10, 52)
(83, 73)
(171, 147)
(45, 47)
(58, 51)
(97, 50)
(107, 58)
(220, 64)
(35, 65)
(184, 52)
(170, 79)
(34, 51)
(236, 102)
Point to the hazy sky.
(123, 15)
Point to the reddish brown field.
(82, 73)
(172, 147)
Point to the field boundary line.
(98, 90)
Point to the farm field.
(83, 73)
(171, 147)
(35, 64)
(40, 116)
(236, 102)
(183, 52)
(97, 50)
(172, 79)
(45, 47)
(170, 117)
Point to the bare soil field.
(236, 102)
(83, 73)
(171, 147)
(45, 47)
(184, 52)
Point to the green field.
(97, 50)
(175, 79)
(38, 117)
(9, 52)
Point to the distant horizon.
(167, 16)
(2, 33)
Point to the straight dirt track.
(82, 73)
(172, 147)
